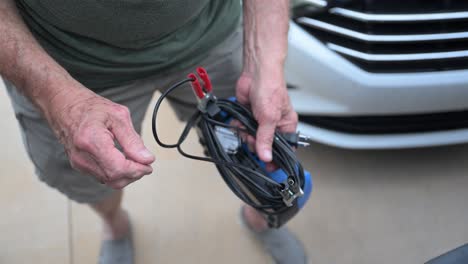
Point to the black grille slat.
(424, 27)
(397, 29)
(391, 124)
(407, 6)
(390, 48)
(412, 66)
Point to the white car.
(374, 74)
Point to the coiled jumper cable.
(275, 194)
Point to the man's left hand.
(264, 90)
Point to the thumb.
(131, 142)
(264, 141)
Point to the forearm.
(262, 85)
(266, 25)
(27, 65)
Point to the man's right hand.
(89, 125)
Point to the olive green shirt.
(106, 43)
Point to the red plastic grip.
(205, 78)
(196, 86)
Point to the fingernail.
(267, 155)
(146, 154)
(149, 170)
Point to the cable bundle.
(272, 193)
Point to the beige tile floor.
(367, 207)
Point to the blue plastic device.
(279, 176)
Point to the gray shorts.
(51, 163)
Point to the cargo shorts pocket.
(45, 152)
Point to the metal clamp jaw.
(205, 103)
(290, 192)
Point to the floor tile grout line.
(70, 232)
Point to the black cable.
(156, 109)
(240, 171)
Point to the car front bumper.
(323, 83)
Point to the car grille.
(393, 35)
(394, 124)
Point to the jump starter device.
(277, 194)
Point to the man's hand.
(88, 125)
(270, 104)
(262, 84)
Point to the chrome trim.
(379, 38)
(398, 57)
(317, 3)
(364, 17)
